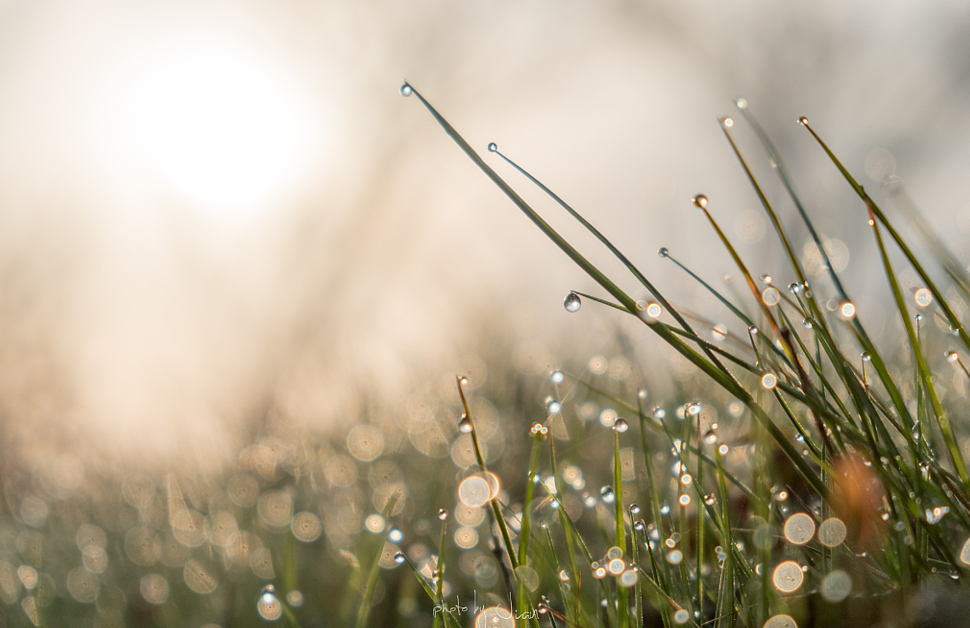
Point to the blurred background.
(218, 214)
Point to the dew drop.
(553, 407)
(952, 357)
(607, 494)
(727, 122)
(700, 200)
(807, 323)
(803, 121)
(663, 252)
(710, 437)
(492, 147)
(642, 394)
(557, 377)
(465, 425)
(771, 296)
(395, 536)
(634, 509)
(752, 330)
(769, 381)
(442, 514)
(572, 302)
(620, 425)
(664, 509)
(406, 90)
(866, 357)
(918, 317)
(741, 103)
(654, 310)
(399, 558)
(794, 288)
(848, 309)
(710, 500)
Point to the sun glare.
(219, 125)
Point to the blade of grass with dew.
(375, 569)
(450, 621)
(722, 379)
(439, 573)
(572, 614)
(954, 321)
(609, 245)
(921, 365)
(864, 338)
(623, 607)
(523, 601)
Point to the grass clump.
(835, 494)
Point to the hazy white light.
(219, 124)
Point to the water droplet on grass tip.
(794, 288)
(572, 302)
(406, 90)
(741, 103)
(399, 558)
(557, 377)
(664, 509)
(803, 121)
(710, 500)
(607, 494)
(493, 147)
(710, 437)
(918, 317)
(395, 536)
(642, 393)
(465, 425)
(620, 425)
(752, 330)
(442, 514)
(952, 357)
(634, 509)
(866, 357)
(700, 200)
(727, 122)
(663, 252)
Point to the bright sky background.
(207, 204)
